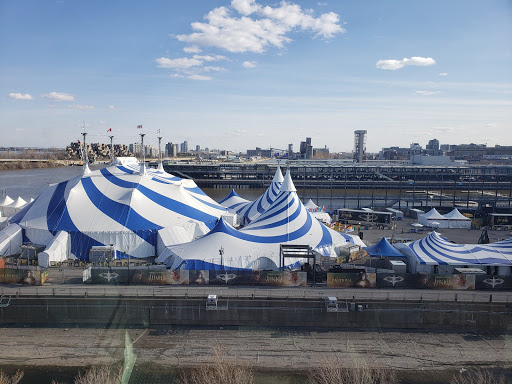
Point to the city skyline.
(244, 74)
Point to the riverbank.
(32, 164)
(276, 355)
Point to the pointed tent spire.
(288, 185)
(278, 177)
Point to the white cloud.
(255, 34)
(57, 96)
(215, 69)
(81, 107)
(443, 74)
(20, 96)
(199, 77)
(398, 64)
(428, 93)
(192, 49)
(249, 64)
(180, 63)
(210, 57)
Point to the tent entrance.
(296, 251)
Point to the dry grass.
(14, 379)
(479, 376)
(103, 375)
(221, 370)
(332, 372)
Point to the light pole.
(111, 149)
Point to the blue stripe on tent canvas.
(196, 190)
(326, 238)
(166, 202)
(297, 234)
(473, 252)
(235, 205)
(18, 216)
(121, 213)
(80, 242)
(198, 265)
(125, 170)
(422, 247)
(276, 208)
(278, 223)
(212, 205)
(231, 194)
(56, 207)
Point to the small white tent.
(6, 200)
(310, 206)
(14, 207)
(457, 219)
(11, 239)
(433, 219)
(57, 251)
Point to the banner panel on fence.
(23, 276)
(462, 281)
(351, 280)
(496, 283)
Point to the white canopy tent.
(457, 219)
(433, 216)
(11, 240)
(15, 206)
(57, 251)
(311, 206)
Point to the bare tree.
(14, 379)
(221, 370)
(478, 376)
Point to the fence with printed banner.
(351, 280)
(23, 275)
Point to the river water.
(29, 183)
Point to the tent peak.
(278, 176)
(288, 185)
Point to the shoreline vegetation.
(23, 164)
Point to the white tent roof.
(116, 205)
(310, 205)
(436, 250)
(253, 210)
(233, 202)
(257, 245)
(6, 200)
(433, 214)
(456, 215)
(11, 239)
(57, 251)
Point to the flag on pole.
(79, 142)
(158, 131)
(109, 130)
(139, 126)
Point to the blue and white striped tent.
(233, 202)
(257, 245)
(251, 210)
(436, 250)
(122, 205)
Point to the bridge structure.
(367, 184)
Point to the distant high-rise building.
(433, 145)
(175, 150)
(306, 149)
(198, 148)
(184, 147)
(168, 149)
(290, 149)
(359, 146)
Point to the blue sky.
(244, 73)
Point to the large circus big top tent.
(124, 205)
(257, 245)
